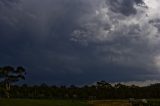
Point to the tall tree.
(9, 75)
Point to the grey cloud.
(125, 7)
(156, 23)
(121, 39)
(78, 41)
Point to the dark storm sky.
(81, 41)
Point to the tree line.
(100, 90)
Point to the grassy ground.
(33, 102)
(109, 103)
(30, 102)
(151, 102)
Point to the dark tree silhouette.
(9, 75)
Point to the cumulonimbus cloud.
(132, 36)
(116, 38)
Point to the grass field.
(109, 103)
(151, 102)
(30, 102)
(52, 102)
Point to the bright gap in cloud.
(154, 4)
(153, 7)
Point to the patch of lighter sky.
(138, 83)
(157, 61)
(153, 8)
(154, 4)
(153, 13)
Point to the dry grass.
(110, 103)
(41, 102)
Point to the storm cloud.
(81, 41)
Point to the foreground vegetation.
(53, 102)
(150, 102)
(33, 102)
(109, 103)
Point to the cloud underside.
(78, 41)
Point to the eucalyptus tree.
(9, 75)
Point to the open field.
(52, 102)
(110, 103)
(151, 102)
(30, 102)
